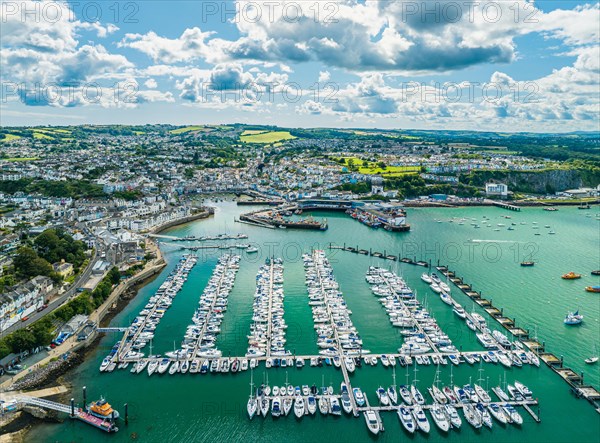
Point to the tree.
(28, 264)
(22, 340)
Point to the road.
(57, 302)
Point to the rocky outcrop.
(537, 182)
(51, 371)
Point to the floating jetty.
(267, 332)
(209, 237)
(105, 425)
(383, 255)
(574, 380)
(504, 205)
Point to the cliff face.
(538, 182)
(544, 182)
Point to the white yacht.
(406, 419)
(372, 422)
(439, 417)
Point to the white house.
(496, 189)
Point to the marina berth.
(336, 335)
(201, 335)
(267, 331)
(141, 331)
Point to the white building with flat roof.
(496, 189)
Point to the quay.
(257, 198)
(275, 219)
(556, 364)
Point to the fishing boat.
(372, 422)
(102, 409)
(527, 263)
(406, 419)
(596, 272)
(439, 417)
(571, 276)
(573, 318)
(595, 289)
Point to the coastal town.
(83, 208)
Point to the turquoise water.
(212, 407)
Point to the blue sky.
(432, 64)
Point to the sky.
(511, 65)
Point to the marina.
(319, 277)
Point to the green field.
(266, 137)
(10, 137)
(40, 135)
(374, 169)
(187, 129)
(20, 159)
(55, 130)
(253, 132)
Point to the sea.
(212, 407)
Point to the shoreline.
(524, 204)
(201, 215)
(119, 299)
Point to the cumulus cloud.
(41, 55)
(189, 46)
(324, 76)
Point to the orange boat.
(102, 409)
(593, 288)
(571, 276)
